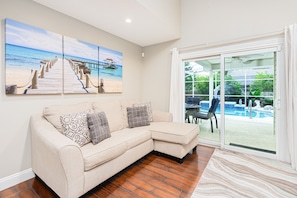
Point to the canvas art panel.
(28, 49)
(110, 70)
(80, 59)
(43, 62)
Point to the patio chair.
(192, 107)
(193, 100)
(210, 114)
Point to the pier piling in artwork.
(74, 79)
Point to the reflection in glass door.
(202, 77)
(249, 101)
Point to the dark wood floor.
(152, 176)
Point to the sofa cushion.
(113, 112)
(119, 142)
(134, 136)
(148, 107)
(75, 127)
(108, 149)
(98, 126)
(53, 113)
(137, 116)
(175, 132)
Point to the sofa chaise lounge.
(71, 170)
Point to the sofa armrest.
(161, 116)
(56, 159)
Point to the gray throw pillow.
(137, 116)
(149, 109)
(98, 126)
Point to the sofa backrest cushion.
(113, 112)
(54, 112)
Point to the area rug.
(231, 174)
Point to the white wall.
(15, 145)
(212, 21)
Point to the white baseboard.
(16, 178)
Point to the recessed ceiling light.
(128, 20)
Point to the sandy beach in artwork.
(113, 86)
(19, 77)
(109, 85)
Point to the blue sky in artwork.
(32, 37)
(108, 53)
(79, 48)
(21, 34)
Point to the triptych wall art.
(43, 62)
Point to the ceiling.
(153, 21)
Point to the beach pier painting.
(42, 62)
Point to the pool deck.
(255, 132)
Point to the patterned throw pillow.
(137, 116)
(99, 128)
(75, 127)
(149, 109)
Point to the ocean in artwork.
(20, 57)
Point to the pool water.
(233, 109)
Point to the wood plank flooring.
(152, 176)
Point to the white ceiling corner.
(153, 21)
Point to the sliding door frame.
(223, 51)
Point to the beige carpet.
(230, 174)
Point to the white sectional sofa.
(71, 170)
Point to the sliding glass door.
(245, 84)
(249, 101)
(201, 79)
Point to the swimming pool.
(233, 109)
